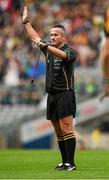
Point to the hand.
(25, 15)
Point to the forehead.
(57, 31)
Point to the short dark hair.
(60, 26)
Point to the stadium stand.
(84, 24)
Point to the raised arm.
(31, 32)
(35, 37)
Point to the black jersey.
(59, 72)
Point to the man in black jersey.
(61, 105)
(104, 55)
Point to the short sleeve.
(71, 54)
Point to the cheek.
(59, 39)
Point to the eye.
(54, 35)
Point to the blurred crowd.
(83, 20)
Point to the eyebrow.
(54, 33)
(57, 33)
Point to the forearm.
(32, 33)
(105, 64)
(105, 59)
(35, 37)
(57, 52)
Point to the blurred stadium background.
(22, 105)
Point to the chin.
(53, 43)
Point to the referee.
(61, 105)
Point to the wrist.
(26, 20)
(42, 45)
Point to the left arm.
(67, 55)
(57, 52)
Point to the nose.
(52, 38)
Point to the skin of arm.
(32, 33)
(57, 52)
(35, 37)
(105, 59)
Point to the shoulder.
(71, 53)
(70, 49)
